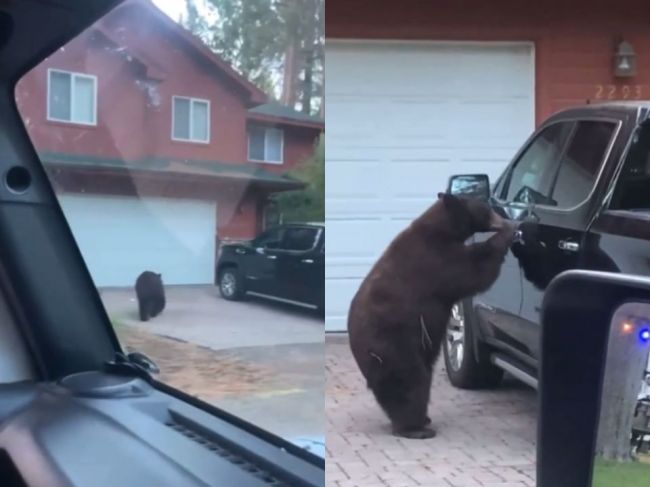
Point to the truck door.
(529, 179)
(555, 230)
(297, 265)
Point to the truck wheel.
(230, 284)
(463, 370)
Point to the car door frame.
(501, 326)
(562, 238)
(578, 218)
(260, 265)
(293, 268)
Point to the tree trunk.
(308, 86)
(289, 76)
(625, 364)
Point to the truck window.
(533, 174)
(582, 162)
(632, 190)
(299, 239)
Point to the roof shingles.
(213, 169)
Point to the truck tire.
(463, 368)
(231, 286)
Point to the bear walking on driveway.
(151, 295)
(398, 317)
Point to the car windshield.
(169, 129)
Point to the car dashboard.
(96, 429)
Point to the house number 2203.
(619, 92)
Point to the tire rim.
(455, 342)
(228, 284)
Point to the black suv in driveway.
(580, 191)
(285, 263)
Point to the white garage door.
(120, 237)
(401, 118)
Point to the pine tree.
(271, 42)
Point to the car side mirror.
(594, 352)
(470, 186)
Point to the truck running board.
(518, 373)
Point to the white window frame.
(265, 161)
(191, 100)
(73, 75)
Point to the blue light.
(644, 335)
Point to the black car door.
(260, 261)
(554, 237)
(528, 180)
(297, 263)
(312, 272)
(316, 282)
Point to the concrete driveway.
(198, 314)
(259, 360)
(485, 438)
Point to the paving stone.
(485, 438)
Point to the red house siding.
(140, 63)
(574, 40)
(129, 126)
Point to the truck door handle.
(307, 261)
(240, 251)
(570, 246)
(271, 257)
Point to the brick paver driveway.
(485, 438)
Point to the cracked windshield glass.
(183, 141)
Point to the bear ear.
(447, 199)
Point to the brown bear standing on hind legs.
(398, 317)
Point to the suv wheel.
(230, 284)
(463, 370)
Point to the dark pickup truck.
(580, 191)
(285, 263)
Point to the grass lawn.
(613, 474)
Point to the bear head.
(468, 216)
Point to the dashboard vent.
(228, 454)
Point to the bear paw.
(419, 434)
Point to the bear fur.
(398, 317)
(151, 295)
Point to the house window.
(265, 145)
(190, 119)
(71, 97)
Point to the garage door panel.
(353, 178)
(337, 306)
(119, 237)
(491, 122)
(426, 178)
(365, 109)
(354, 237)
(417, 118)
(401, 118)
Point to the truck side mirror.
(595, 341)
(470, 186)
